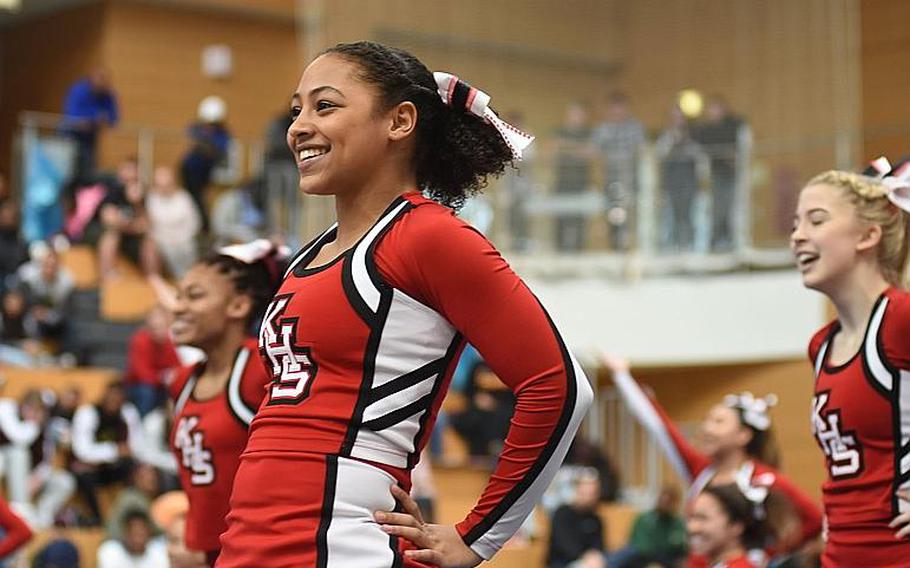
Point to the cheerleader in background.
(214, 400)
(736, 450)
(723, 525)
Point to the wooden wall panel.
(885, 87)
(41, 59)
(534, 56)
(154, 51)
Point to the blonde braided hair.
(869, 198)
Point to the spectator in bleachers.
(65, 407)
(137, 496)
(572, 165)
(618, 141)
(107, 440)
(485, 421)
(90, 106)
(209, 143)
(48, 288)
(585, 453)
(12, 318)
(122, 225)
(238, 216)
(17, 347)
(151, 361)
(13, 250)
(137, 548)
(722, 134)
(34, 483)
(683, 166)
(175, 221)
(576, 530)
(658, 536)
(58, 553)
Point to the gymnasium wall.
(885, 50)
(41, 58)
(154, 51)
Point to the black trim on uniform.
(312, 250)
(369, 257)
(454, 349)
(400, 414)
(406, 381)
(867, 371)
(369, 369)
(347, 275)
(234, 413)
(376, 321)
(328, 504)
(556, 437)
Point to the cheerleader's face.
(827, 236)
(722, 431)
(339, 138)
(709, 527)
(205, 306)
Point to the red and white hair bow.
(897, 182)
(754, 411)
(458, 94)
(260, 250)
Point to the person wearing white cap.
(209, 142)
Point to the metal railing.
(625, 221)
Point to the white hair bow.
(754, 410)
(897, 182)
(456, 93)
(254, 251)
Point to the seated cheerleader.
(723, 525)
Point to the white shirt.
(87, 449)
(112, 554)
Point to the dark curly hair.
(258, 280)
(455, 151)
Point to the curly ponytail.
(455, 151)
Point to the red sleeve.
(17, 532)
(256, 379)
(450, 267)
(695, 460)
(140, 359)
(810, 515)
